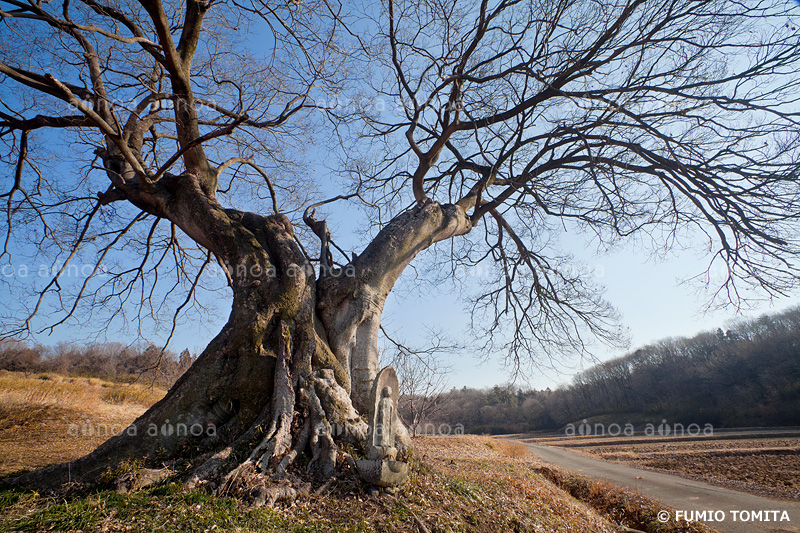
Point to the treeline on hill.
(748, 375)
(112, 361)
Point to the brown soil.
(464, 483)
(765, 466)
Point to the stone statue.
(386, 416)
(381, 467)
(383, 436)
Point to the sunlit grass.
(52, 390)
(48, 418)
(459, 484)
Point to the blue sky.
(650, 294)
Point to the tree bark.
(291, 370)
(351, 306)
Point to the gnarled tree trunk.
(292, 369)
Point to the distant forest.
(112, 361)
(748, 375)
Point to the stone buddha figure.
(381, 467)
(383, 436)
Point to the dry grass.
(483, 458)
(47, 418)
(512, 496)
(509, 449)
(457, 484)
(764, 466)
(619, 505)
(121, 394)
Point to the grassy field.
(469, 483)
(47, 418)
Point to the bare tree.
(514, 122)
(423, 377)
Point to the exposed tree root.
(141, 478)
(276, 384)
(312, 413)
(257, 490)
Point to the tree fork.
(274, 383)
(350, 307)
(256, 374)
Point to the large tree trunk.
(351, 307)
(291, 370)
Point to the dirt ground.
(465, 483)
(766, 466)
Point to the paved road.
(682, 494)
